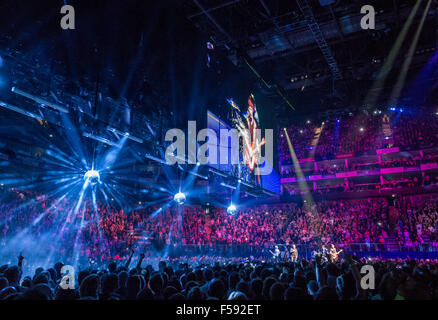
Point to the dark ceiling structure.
(298, 56)
(313, 55)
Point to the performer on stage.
(294, 253)
(334, 254)
(324, 254)
(276, 253)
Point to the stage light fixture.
(197, 175)
(100, 139)
(39, 100)
(251, 194)
(92, 176)
(232, 210)
(21, 111)
(228, 185)
(150, 157)
(247, 184)
(269, 193)
(217, 172)
(125, 134)
(180, 198)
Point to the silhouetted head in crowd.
(327, 293)
(312, 288)
(295, 294)
(66, 294)
(233, 279)
(216, 289)
(237, 295)
(89, 286)
(145, 294)
(267, 283)
(208, 274)
(109, 284)
(195, 293)
(58, 267)
(276, 291)
(156, 283)
(13, 275)
(133, 286)
(256, 286)
(112, 267)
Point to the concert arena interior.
(190, 150)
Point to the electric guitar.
(275, 254)
(334, 254)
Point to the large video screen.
(250, 147)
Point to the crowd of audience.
(177, 280)
(417, 221)
(112, 232)
(339, 186)
(108, 237)
(355, 221)
(356, 134)
(330, 168)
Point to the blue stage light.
(180, 198)
(92, 176)
(232, 210)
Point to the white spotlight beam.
(39, 100)
(100, 139)
(21, 111)
(125, 134)
(180, 158)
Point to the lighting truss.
(125, 134)
(100, 139)
(21, 111)
(40, 100)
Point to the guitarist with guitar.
(334, 254)
(276, 253)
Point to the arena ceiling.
(159, 49)
(274, 37)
